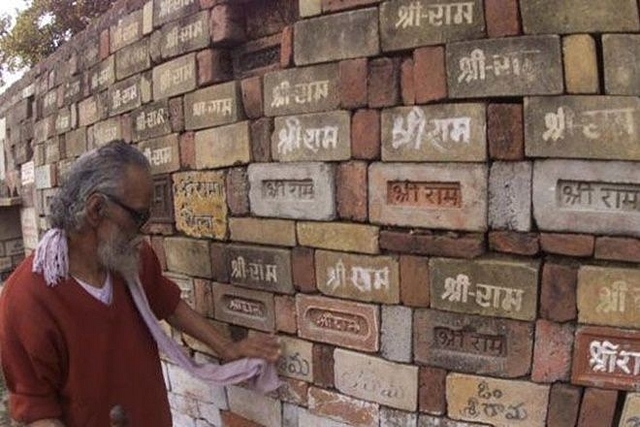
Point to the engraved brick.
(255, 406)
(301, 90)
(213, 106)
(510, 196)
(505, 131)
(437, 133)
(261, 131)
(345, 323)
(552, 352)
(429, 75)
(353, 412)
(405, 24)
(502, 18)
(296, 360)
(455, 195)
(126, 31)
(214, 66)
(351, 191)
(383, 83)
(621, 56)
(512, 242)
(352, 76)
(558, 292)
(252, 97)
(339, 236)
(618, 248)
(598, 407)
(174, 77)
(303, 269)
(256, 57)
(163, 153)
(102, 75)
(578, 16)
(473, 344)
(432, 390)
(277, 232)
(427, 243)
(185, 35)
(522, 399)
(523, 65)
(223, 146)
(395, 339)
(630, 409)
(168, 10)
(188, 256)
(286, 317)
(365, 135)
(151, 120)
(132, 59)
(331, 139)
(125, 95)
(577, 196)
(377, 380)
(299, 191)
(200, 204)
(261, 268)
(564, 402)
(577, 245)
(580, 63)
(245, 307)
(501, 288)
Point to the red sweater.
(66, 355)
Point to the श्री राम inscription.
(174, 77)
(428, 195)
(598, 196)
(213, 106)
(168, 10)
(200, 204)
(260, 268)
(253, 309)
(185, 35)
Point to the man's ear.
(95, 205)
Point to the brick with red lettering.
(383, 83)
(365, 135)
(558, 292)
(513, 242)
(429, 74)
(578, 245)
(351, 191)
(352, 84)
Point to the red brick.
(618, 249)
(264, 18)
(219, 271)
(187, 150)
(502, 18)
(558, 292)
(578, 245)
(157, 242)
(429, 74)
(104, 44)
(365, 135)
(552, 352)
(470, 245)
(252, 97)
(214, 66)
(286, 314)
(383, 82)
(505, 131)
(564, 402)
(286, 47)
(432, 390)
(176, 114)
(229, 419)
(353, 412)
(351, 190)
(407, 84)
(238, 191)
(293, 391)
(352, 83)
(512, 242)
(335, 5)
(203, 297)
(261, 131)
(323, 365)
(227, 25)
(598, 407)
(303, 269)
(414, 281)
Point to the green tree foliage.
(41, 28)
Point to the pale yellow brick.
(277, 232)
(309, 7)
(580, 63)
(339, 236)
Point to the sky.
(10, 8)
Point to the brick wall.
(435, 205)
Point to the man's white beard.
(120, 254)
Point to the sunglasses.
(139, 217)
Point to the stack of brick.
(433, 204)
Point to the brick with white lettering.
(262, 268)
(133, 59)
(185, 35)
(163, 153)
(125, 95)
(168, 10)
(151, 120)
(213, 106)
(174, 77)
(126, 31)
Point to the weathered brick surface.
(227, 25)
(448, 245)
(621, 71)
(429, 75)
(580, 63)
(558, 292)
(383, 84)
(631, 409)
(188, 256)
(252, 97)
(407, 83)
(339, 236)
(564, 403)
(432, 390)
(223, 146)
(237, 191)
(200, 205)
(576, 245)
(514, 243)
(255, 406)
(351, 191)
(285, 308)
(510, 197)
(213, 106)
(303, 269)
(342, 408)
(365, 134)
(323, 365)
(598, 407)
(502, 18)
(618, 249)
(395, 339)
(414, 281)
(276, 232)
(552, 352)
(260, 131)
(353, 83)
(213, 66)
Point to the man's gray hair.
(97, 171)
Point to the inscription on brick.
(429, 195)
(500, 403)
(410, 23)
(505, 67)
(133, 59)
(296, 360)
(102, 75)
(106, 131)
(606, 357)
(127, 31)
(168, 10)
(200, 204)
(63, 121)
(595, 127)
(253, 309)
(125, 95)
(448, 132)
(344, 323)
(90, 110)
(162, 201)
(473, 344)
(609, 296)
(312, 137)
(256, 57)
(187, 34)
(163, 153)
(151, 120)
(300, 191)
(213, 106)
(301, 90)
(223, 146)
(262, 268)
(375, 379)
(174, 77)
(360, 277)
(72, 91)
(50, 102)
(498, 288)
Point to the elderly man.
(78, 329)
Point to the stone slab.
(435, 133)
(631, 411)
(188, 256)
(125, 95)
(312, 137)
(106, 131)
(606, 358)
(102, 75)
(262, 268)
(599, 197)
(298, 191)
(473, 344)
(245, 307)
(588, 127)
(448, 196)
(578, 16)
(339, 322)
(277, 232)
(500, 403)
(607, 296)
(133, 59)
(128, 30)
(408, 23)
(510, 196)
(301, 90)
(223, 146)
(489, 287)
(168, 10)
(163, 153)
(512, 66)
(185, 35)
(621, 58)
(337, 36)
(339, 236)
(213, 106)
(375, 379)
(151, 120)
(200, 203)
(358, 277)
(174, 77)
(296, 360)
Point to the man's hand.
(261, 346)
